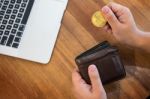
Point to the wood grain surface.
(21, 79)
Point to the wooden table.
(20, 79)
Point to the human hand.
(84, 91)
(121, 23)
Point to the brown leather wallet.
(107, 60)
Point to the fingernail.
(92, 68)
(105, 9)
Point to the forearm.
(143, 41)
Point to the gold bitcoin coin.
(98, 19)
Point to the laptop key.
(21, 27)
(15, 11)
(2, 27)
(19, 34)
(6, 17)
(18, 1)
(21, 10)
(8, 27)
(8, 11)
(10, 6)
(23, 5)
(4, 22)
(17, 6)
(11, 21)
(1, 32)
(17, 39)
(6, 2)
(15, 26)
(13, 31)
(19, 15)
(17, 20)
(6, 32)
(4, 7)
(10, 40)
(15, 45)
(2, 12)
(13, 16)
(3, 41)
(13, 1)
(1, 18)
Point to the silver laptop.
(29, 28)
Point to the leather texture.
(107, 60)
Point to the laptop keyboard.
(13, 18)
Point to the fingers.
(95, 79)
(116, 8)
(123, 13)
(76, 78)
(107, 28)
(110, 17)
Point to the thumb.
(110, 16)
(95, 79)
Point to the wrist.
(139, 41)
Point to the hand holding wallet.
(107, 60)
